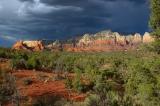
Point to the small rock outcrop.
(86, 40)
(28, 45)
(137, 38)
(19, 46)
(147, 38)
(120, 40)
(54, 46)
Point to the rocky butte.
(101, 41)
(29, 45)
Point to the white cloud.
(6, 37)
(41, 8)
(35, 7)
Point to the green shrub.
(110, 99)
(33, 63)
(2, 53)
(18, 64)
(5, 53)
(92, 100)
(27, 81)
(58, 77)
(20, 55)
(7, 87)
(46, 100)
(78, 85)
(68, 83)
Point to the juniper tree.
(155, 22)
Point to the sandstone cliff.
(101, 41)
(107, 40)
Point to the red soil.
(46, 87)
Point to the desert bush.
(92, 100)
(18, 64)
(110, 99)
(2, 53)
(20, 55)
(5, 53)
(33, 63)
(69, 83)
(46, 100)
(78, 85)
(5, 94)
(58, 77)
(8, 90)
(146, 47)
(27, 81)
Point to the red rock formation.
(102, 41)
(137, 38)
(34, 45)
(28, 45)
(19, 46)
(147, 38)
(120, 40)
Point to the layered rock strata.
(101, 41)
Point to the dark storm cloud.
(60, 19)
(78, 2)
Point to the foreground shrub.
(33, 63)
(27, 81)
(92, 100)
(78, 85)
(69, 83)
(18, 64)
(46, 100)
(5, 53)
(8, 90)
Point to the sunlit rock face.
(101, 41)
(137, 38)
(104, 35)
(86, 40)
(29, 45)
(129, 39)
(98, 39)
(19, 46)
(107, 40)
(120, 40)
(55, 45)
(147, 38)
(35, 45)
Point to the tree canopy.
(155, 18)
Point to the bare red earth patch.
(40, 88)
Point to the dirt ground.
(43, 83)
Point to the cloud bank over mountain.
(60, 19)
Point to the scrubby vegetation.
(8, 91)
(110, 79)
(155, 23)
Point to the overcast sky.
(61, 19)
